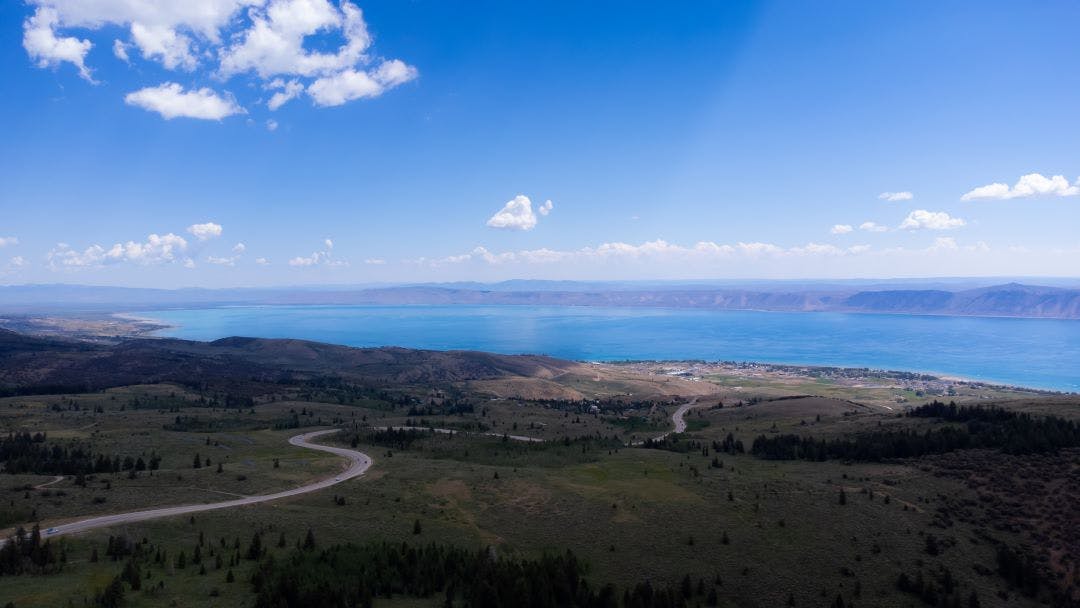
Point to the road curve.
(359, 463)
(42, 486)
(678, 418)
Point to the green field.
(769, 532)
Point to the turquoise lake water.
(1028, 352)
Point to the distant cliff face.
(1011, 300)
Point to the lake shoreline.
(965, 345)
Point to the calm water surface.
(1029, 352)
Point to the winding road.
(359, 463)
(678, 418)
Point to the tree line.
(23, 453)
(970, 427)
(357, 575)
(26, 553)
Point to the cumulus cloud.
(6, 241)
(13, 265)
(896, 196)
(49, 50)
(351, 84)
(156, 249)
(375, 261)
(274, 44)
(172, 101)
(517, 214)
(318, 47)
(922, 219)
(1030, 185)
(841, 229)
(262, 261)
(165, 44)
(656, 250)
(205, 231)
(319, 258)
(873, 227)
(288, 91)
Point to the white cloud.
(6, 241)
(351, 84)
(375, 261)
(205, 231)
(896, 196)
(944, 243)
(517, 214)
(120, 50)
(274, 44)
(841, 229)
(758, 249)
(13, 265)
(657, 250)
(172, 101)
(156, 249)
(873, 227)
(47, 49)
(238, 252)
(165, 44)
(271, 125)
(319, 258)
(930, 220)
(1032, 184)
(225, 38)
(289, 91)
(262, 261)
(817, 249)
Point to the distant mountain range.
(1007, 300)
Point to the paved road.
(678, 418)
(359, 463)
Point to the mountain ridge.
(1005, 300)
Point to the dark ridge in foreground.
(34, 364)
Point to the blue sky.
(422, 140)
